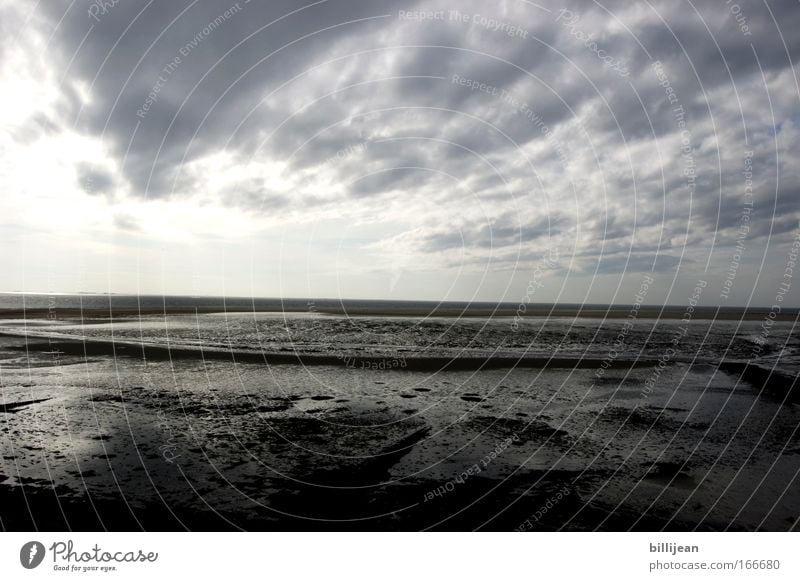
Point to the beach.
(298, 421)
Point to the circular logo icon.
(31, 554)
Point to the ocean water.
(171, 302)
(189, 442)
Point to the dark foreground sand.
(159, 440)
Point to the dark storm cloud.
(174, 82)
(506, 231)
(199, 99)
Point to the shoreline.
(776, 382)
(579, 312)
(100, 347)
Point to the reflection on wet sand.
(162, 439)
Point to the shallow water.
(309, 333)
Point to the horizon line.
(468, 302)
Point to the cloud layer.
(409, 150)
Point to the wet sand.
(93, 442)
(118, 348)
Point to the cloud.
(619, 132)
(94, 180)
(127, 223)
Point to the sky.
(502, 151)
